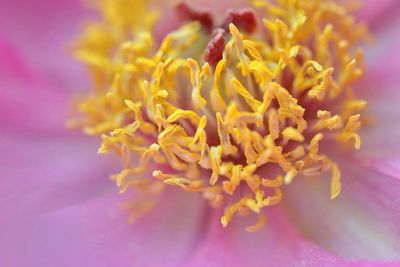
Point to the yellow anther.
(327, 121)
(216, 96)
(274, 199)
(194, 68)
(314, 147)
(183, 183)
(336, 184)
(249, 98)
(273, 124)
(200, 130)
(349, 131)
(227, 147)
(215, 158)
(238, 40)
(296, 153)
(290, 175)
(262, 219)
(261, 72)
(184, 114)
(277, 182)
(291, 133)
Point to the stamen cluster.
(233, 112)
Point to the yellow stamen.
(273, 98)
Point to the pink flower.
(59, 209)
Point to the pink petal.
(382, 58)
(379, 137)
(372, 10)
(40, 158)
(177, 233)
(97, 233)
(216, 7)
(45, 172)
(278, 244)
(28, 102)
(380, 88)
(362, 223)
(41, 32)
(388, 165)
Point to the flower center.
(233, 109)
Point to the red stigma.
(242, 18)
(187, 13)
(215, 48)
